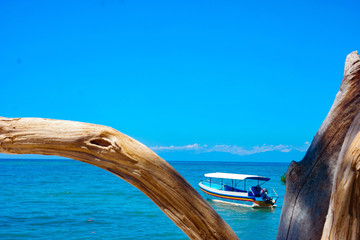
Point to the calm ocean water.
(66, 199)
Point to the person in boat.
(265, 196)
(263, 191)
(257, 190)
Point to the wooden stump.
(309, 182)
(343, 218)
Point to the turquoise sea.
(67, 199)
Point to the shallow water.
(66, 199)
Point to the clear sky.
(216, 74)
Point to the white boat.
(239, 189)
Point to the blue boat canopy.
(235, 176)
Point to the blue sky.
(248, 76)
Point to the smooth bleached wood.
(343, 218)
(115, 152)
(309, 182)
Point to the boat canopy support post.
(275, 192)
(252, 191)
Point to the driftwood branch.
(115, 152)
(309, 183)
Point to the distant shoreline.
(170, 161)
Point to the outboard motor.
(266, 198)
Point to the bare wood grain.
(125, 157)
(309, 182)
(343, 218)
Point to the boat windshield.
(236, 176)
(236, 183)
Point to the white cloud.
(303, 148)
(233, 149)
(194, 146)
(238, 150)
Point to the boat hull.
(237, 198)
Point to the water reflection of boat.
(232, 188)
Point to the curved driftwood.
(309, 182)
(115, 152)
(343, 218)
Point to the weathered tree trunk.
(123, 156)
(309, 182)
(343, 218)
